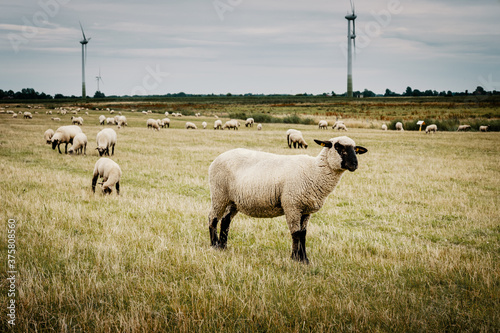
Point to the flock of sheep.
(259, 184)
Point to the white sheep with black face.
(399, 126)
(64, 134)
(47, 136)
(267, 185)
(431, 129)
(79, 144)
(102, 120)
(218, 124)
(323, 124)
(110, 172)
(105, 140)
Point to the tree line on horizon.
(32, 94)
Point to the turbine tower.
(84, 42)
(351, 40)
(99, 78)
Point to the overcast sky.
(248, 46)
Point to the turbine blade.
(83, 33)
(352, 6)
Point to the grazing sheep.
(259, 127)
(102, 119)
(110, 172)
(153, 124)
(190, 125)
(297, 140)
(341, 126)
(47, 136)
(484, 128)
(323, 124)
(431, 128)
(218, 124)
(79, 144)
(55, 119)
(77, 121)
(204, 125)
(249, 122)
(64, 134)
(28, 115)
(166, 122)
(463, 128)
(266, 185)
(233, 123)
(166, 114)
(106, 139)
(290, 131)
(110, 121)
(399, 126)
(384, 127)
(14, 115)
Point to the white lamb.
(323, 124)
(190, 125)
(218, 124)
(166, 122)
(77, 121)
(266, 185)
(464, 128)
(297, 140)
(484, 128)
(79, 144)
(55, 119)
(431, 128)
(233, 123)
(204, 125)
(106, 139)
(28, 115)
(153, 124)
(399, 127)
(341, 126)
(47, 136)
(110, 121)
(384, 127)
(102, 119)
(290, 131)
(64, 134)
(110, 172)
(249, 122)
(259, 127)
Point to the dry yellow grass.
(408, 242)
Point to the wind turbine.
(84, 42)
(99, 78)
(351, 40)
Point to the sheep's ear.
(326, 144)
(360, 150)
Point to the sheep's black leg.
(66, 148)
(118, 188)
(59, 148)
(212, 227)
(113, 151)
(94, 182)
(224, 227)
(299, 246)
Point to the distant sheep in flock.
(121, 121)
(289, 133)
(341, 127)
(464, 128)
(166, 122)
(64, 134)
(218, 124)
(55, 119)
(110, 121)
(384, 127)
(296, 139)
(190, 125)
(484, 128)
(77, 121)
(323, 124)
(249, 122)
(265, 185)
(233, 123)
(14, 115)
(110, 172)
(153, 124)
(204, 125)
(399, 127)
(431, 128)
(79, 144)
(106, 139)
(102, 120)
(259, 127)
(47, 136)
(28, 115)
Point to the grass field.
(410, 242)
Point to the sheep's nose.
(352, 167)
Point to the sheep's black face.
(348, 155)
(101, 151)
(107, 190)
(54, 144)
